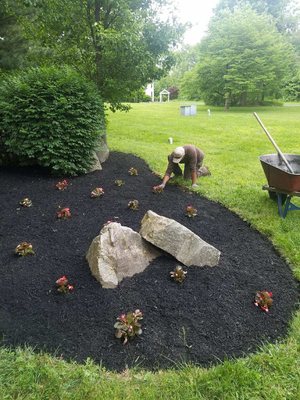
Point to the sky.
(198, 13)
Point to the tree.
(120, 44)
(283, 11)
(185, 60)
(189, 86)
(243, 59)
(13, 46)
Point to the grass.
(232, 142)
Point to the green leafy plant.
(26, 202)
(24, 249)
(63, 213)
(62, 185)
(128, 325)
(190, 211)
(97, 192)
(178, 274)
(133, 171)
(119, 182)
(52, 117)
(133, 204)
(263, 300)
(63, 286)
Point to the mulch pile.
(210, 317)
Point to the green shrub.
(51, 117)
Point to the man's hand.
(161, 186)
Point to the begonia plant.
(157, 189)
(62, 185)
(26, 202)
(63, 286)
(190, 211)
(133, 204)
(24, 249)
(119, 182)
(263, 300)
(133, 171)
(97, 192)
(128, 325)
(63, 213)
(178, 274)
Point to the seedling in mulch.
(133, 171)
(62, 185)
(63, 286)
(26, 202)
(263, 300)
(24, 249)
(64, 213)
(178, 274)
(183, 335)
(190, 211)
(128, 325)
(133, 205)
(97, 192)
(119, 182)
(157, 189)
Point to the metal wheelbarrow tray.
(277, 173)
(282, 184)
(283, 175)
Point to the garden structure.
(208, 316)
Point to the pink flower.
(70, 288)
(62, 281)
(62, 185)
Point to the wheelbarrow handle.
(274, 143)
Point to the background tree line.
(251, 52)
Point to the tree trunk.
(227, 101)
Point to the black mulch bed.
(210, 317)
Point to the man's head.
(178, 154)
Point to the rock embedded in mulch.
(118, 252)
(177, 240)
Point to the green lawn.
(232, 142)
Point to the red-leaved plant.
(63, 213)
(119, 182)
(178, 274)
(26, 202)
(62, 185)
(190, 211)
(128, 325)
(157, 189)
(24, 249)
(133, 205)
(63, 286)
(133, 171)
(263, 300)
(97, 192)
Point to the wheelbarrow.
(283, 176)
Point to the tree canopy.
(243, 58)
(13, 46)
(120, 44)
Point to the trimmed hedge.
(51, 117)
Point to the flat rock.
(177, 240)
(118, 252)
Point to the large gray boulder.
(118, 252)
(177, 240)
